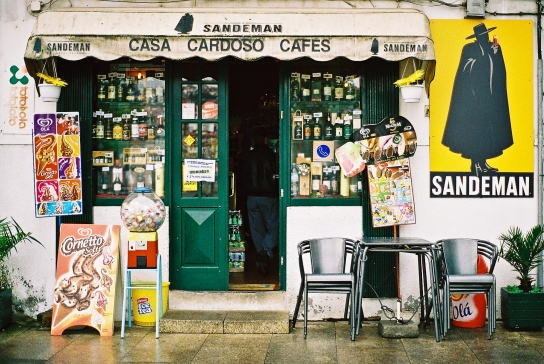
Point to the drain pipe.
(540, 271)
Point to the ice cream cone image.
(45, 151)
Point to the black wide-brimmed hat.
(480, 29)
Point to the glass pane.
(189, 101)
(209, 140)
(209, 71)
(189, 71)
(209, 189)
(189, 140)
(188, 188)
(210, 108)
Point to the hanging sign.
(392, 138)
(391, 196)
(87, 268)
(57, 164)
(199, 170)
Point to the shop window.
(128, 128)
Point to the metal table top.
(395, 242)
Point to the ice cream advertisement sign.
(87, 270)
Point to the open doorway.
(253, 104)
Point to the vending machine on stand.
(143, 213)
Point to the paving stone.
(392, 329)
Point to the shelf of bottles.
(325, 109)
(128, 132)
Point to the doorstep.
(224, 322)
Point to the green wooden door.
(199, 175)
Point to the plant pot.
(6, 313)
(411, 93)
(49, 92)
(522, 310)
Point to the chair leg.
(299, 298)
(305, 310)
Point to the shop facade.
(202, 81)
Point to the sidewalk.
(327, 342)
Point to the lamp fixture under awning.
(285, 34)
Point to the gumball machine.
(142, 213)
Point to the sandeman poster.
(482, 109)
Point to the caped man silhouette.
(478, 125)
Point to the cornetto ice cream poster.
(482, 109)
(57, 164)
(87, 269)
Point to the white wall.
(33, 266)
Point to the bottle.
(160, 131)
(126, 127)
(307, 129)
(112, 87)
(316, 86)
(142, 126)
(134, 130)
(305, 86)
(102, 88)
(150, 128)
(344, 185)
(329, 130)
(295, 180)
(359, 185)
(117, 185)
(298, 131)
(105, 180)
(316, 182)
(295, 86)
(327, 181)
(339, 88)
(117, 129)
(140, 180)
(350, 89)
(353, 186)
(317, 129)
(334, 183)
(94, 124)
(338, 130)
(348, 130)
(130, 94)
(108, 129)
(120, 93)
(327, 87)
(100, 125)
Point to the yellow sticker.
(189, 140)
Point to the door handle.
(231, 176)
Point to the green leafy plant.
(523, 252)
(11, 234)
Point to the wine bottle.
(316, 86)
(338, 129)
(328, 133)
(160, 131)
(305, 85)
(295, 86)
(307, 128)
(134, 132)
(317, 129)
(100, 125)
(327, 87)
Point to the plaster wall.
(33, 267)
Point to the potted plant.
(523, 306)
(410, 88)
(50, 89)
(11, 234)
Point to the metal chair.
(456, 269)
(332, 270)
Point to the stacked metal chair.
(455, 270)
(331, 268)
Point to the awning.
(285, 34)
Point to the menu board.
(391, 195)
(57, 164)
(87, 270)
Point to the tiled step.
(225, 322)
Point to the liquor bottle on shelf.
(338, 129)
(126, 127)
(160, 131)
(334, 183)
(328, 133)
(105, 180)
(117, 129)
(108, 128)
(295, 86)
(117, 187)
(150, 128)
(317, 128)
(100, 125)
(305, 86)
(339, 88)
(120, 94)
(348, 130)
(327, 87)
(316, 86)
(94, 124)
(112, 89)
(327, 180)
(315, 184)
(307, 128)
(297, 131)
(102, 88)
(349, 89)
(134, 128)
(131, 86)
(295, 180)
(142, 126)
